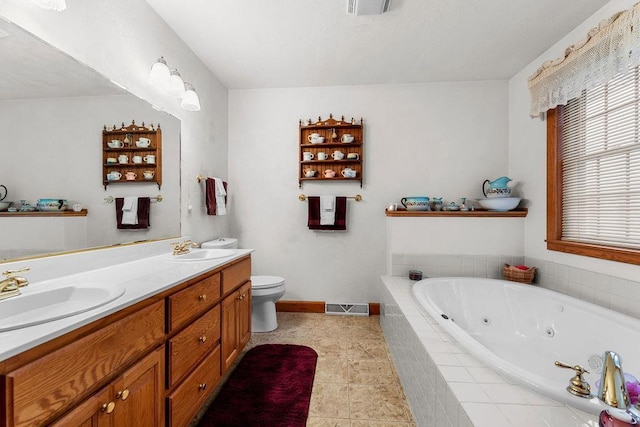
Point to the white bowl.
(500, 204)
(4, 206)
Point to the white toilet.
(265, 291)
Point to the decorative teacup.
(130, 176)
(148, 174)
(353, 156)
(114, 176)
(123, 159)
(143, 142)
(309, 173)
(137, 159)
(322, 156)
(420, 203)
(306, 156)
(112, 160)
(347, 138)
(329, 173)
(114, 144)
(348, 173)
(337, 155)
(149, 158)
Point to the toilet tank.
(221, 243)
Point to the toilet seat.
(266, 282)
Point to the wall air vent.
(367, 7)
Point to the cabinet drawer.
(235, 275)
(191, 344)
(47, 386)
(193, 301)
(191, 394)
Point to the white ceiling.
(299, 43)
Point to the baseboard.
(316, 307)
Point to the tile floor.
(356, 384)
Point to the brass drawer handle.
(202, 297)
(108, 408)
(122, 395)
(239, 297)
(202, 339)
(202, 386)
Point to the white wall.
(61, 157)
(527, 156)
(440, 139)
(121, 39)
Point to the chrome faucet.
(11, 284)
(181, 248)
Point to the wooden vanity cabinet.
(236, 312)
(133, 399)
(152, 364)
(41, 390)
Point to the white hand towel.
(130, 211)
(221, 206)
(327, 210)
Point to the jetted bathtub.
(521, 330)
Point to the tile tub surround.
(448, 387)
(607, 291)
(438, 265)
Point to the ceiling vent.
(367, 7)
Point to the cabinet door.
(244, 315)
(138, 393)
(96, 411)
(229, 336)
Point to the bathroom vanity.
(151, 358)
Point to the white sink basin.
(201, 255)
(44, 306)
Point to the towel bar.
(357, 197)
(158, 198)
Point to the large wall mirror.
(52, 112)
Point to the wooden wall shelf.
(128, 135)
(65, 214)
(478, 213)
(332, 131)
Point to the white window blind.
(599, 134)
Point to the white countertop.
(141, 277)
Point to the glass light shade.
(176, 84)
(57, 5)
(190, 100)
(160, 76)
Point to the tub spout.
(578, 386)
(613, 390)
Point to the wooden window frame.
(554, 207)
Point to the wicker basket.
(516, 275)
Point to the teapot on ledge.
(497, 187)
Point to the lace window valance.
(611, 48)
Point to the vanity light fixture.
(160, 76)
(176, 84)
(57, 5)
(190, 100)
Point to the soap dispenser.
(613, 392)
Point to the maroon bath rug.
(271, 386)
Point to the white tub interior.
(521, 330)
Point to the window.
(593, 172)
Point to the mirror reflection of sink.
(202, 255)
(44, 306)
